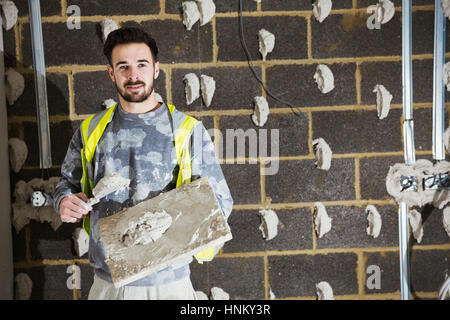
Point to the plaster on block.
(190, 14)
(446, 8)
(374, 221)
(192, 87)
(208, 87)
(14, 85)
(269, 224)
(207, 10)
(383, 101)
(219, 294)
(446, 220)
(322, 221)
(266, 42)
(261, 112)
(18, 153)
(385, 11)
(197, 224)
(321, 9)
(81, 241)
(446, 74)
(9, 14)
(324, 78)
(415, 220)
(24, 286)
(324, 291)
(323, 154)
(108, 25)
(107, 185)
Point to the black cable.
(295, 110)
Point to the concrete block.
(197, 224)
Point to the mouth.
(135, 87)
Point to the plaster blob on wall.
(383, 101)
(374, 221)
(158, 98)
(81, 241)
(261, 112)
(446, 8)
(18, 153)
(207, 9)
(446, 220)
(415, 220)
(322, 153)
(108, 103)
(321, 9)
(322, 222)
(24, 286)
(200, 295)
(208, 87)
(14, 85)
(269, 224)
(324, 78)
(446, 75)
(271, 294)
(192, 87)
(190, 14)
(266, 42)
(447, 139)
(219, 294)
(324, 291)
(9, 14)
(108, 25)
(385, 11)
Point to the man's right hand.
(73, 207)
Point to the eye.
(123, 67)
(142, 65)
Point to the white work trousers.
(178, 290)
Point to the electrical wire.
(294, 109)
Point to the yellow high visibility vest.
(92, 130)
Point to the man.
(138, 143)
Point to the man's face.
(133, 71)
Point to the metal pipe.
(37, 44)
(438, 83)
(409, 151)
(6, 251)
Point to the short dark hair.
(129, 35)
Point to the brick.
(87, 279)
(57, 96)
(426, 275)
(230, 48)
(32, 140)
(235, 88)
(241, 278)
(433, 228)
(294, 231)
(348, 36)
(296, 84)
(45, 243)
(48, 8)
(360, 131)
(116, 7)
(9, 45)
(297, 275)
(281, 5)
(243, 181)
(46, 289)
(19, 243)
(65, 46)
(423, 129)
(175, 44)
(373, 172)
(301, 181)
(174, 6)
(388, 262)
(349, 228)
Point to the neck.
(139, 107)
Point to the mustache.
(129, 83)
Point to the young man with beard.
(134, 138)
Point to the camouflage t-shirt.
(141, 148)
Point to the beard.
(135, 96)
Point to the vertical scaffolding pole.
(438, 83)
(408, 145)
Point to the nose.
(133, 73)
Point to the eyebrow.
(124, 62)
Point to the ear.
(111, 73)
(156, 69)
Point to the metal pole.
(6, 251)
(438, 83)
(40, 84)
(409, 151)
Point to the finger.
(82, 196)
(75, 210)
(80, 203)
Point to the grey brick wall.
(363, 146)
